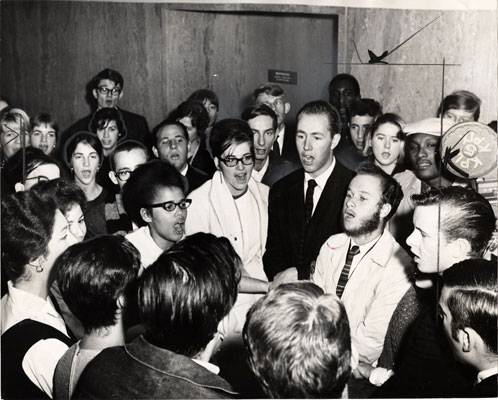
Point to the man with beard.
(365, 266)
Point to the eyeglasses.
(246, 159)
(123, 175)
(275, 103)
(40, 178)
(170, 206)
(114, 91)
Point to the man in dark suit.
(171, 145)
(107, 89)
(268, 166)
(274, 97)
(305, 206)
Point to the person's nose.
(239, 165)
(387, 144)
(261, 140)
(86, 161)
(307, 144)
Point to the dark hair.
(271, 89)
(47, 119)
(391, 190)
(321, 107)
(143, 185)
(389, 118)
(127, 145)
(64, 194)
(13, 169)
(473, 299)
(228, 132)
(258, 110)
(27, 225)
(365, 107)
(110, 74)
(168, 122)
(88, 138)
(187, 291)
(93, 274)
(202, 95)
(345, 77)
(461, 100)
(298, 342)
(197, 113)
(465, 214)
(103, 116)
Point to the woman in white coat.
(234, 205)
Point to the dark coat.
(287, 244)
(195, 178)
(140, 370)
(278, 168)
(289, 150)
(486, 388)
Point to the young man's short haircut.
(461, 100)
(26, 229)
(65, 194)
(227, 132)
(298, 342)
(45, 119)
(465, 214)
(202, 95)
(145, 182)
(109, 74)
(127, 145)
(92, 276)
(271, 89)
(391, 190)
(258, 110)
(197, 113)
(364, 107)
(168, 122)
(345, 77)
(187, 291)
(473, 299)
(321, 107)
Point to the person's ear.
(120, 94)
(385, 210)
(155, 152)
(19, 187)
(216, 162)
(463, 337)
(121, 302)
(287, 107)
(460, 248)
(145, 214)
(94, 92)
(335, 140)
(113, 177)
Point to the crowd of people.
(246, 257)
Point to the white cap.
(430, 126)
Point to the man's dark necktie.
(276, 148)
(308, 202)
(343, 279)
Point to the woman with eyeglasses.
(234, 205)
(154, 199)
(84, 156)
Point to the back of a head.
(298, 342)
(65, 194)
(465, 214)
(26, 228)
(473, 298)
(187, 291)
(143, 184)
(227, 132)
(321, 107)
(93, 275)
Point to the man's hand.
(288, 275)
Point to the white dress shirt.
(258, 175)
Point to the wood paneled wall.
(50, 50)
(467, 38)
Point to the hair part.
(465, 214)
(260, 110)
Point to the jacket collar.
(173, 364)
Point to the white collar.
(210, 367)
(487, 373)
(321, 180)
(184, 170)
(258, 175)
(364, 248)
